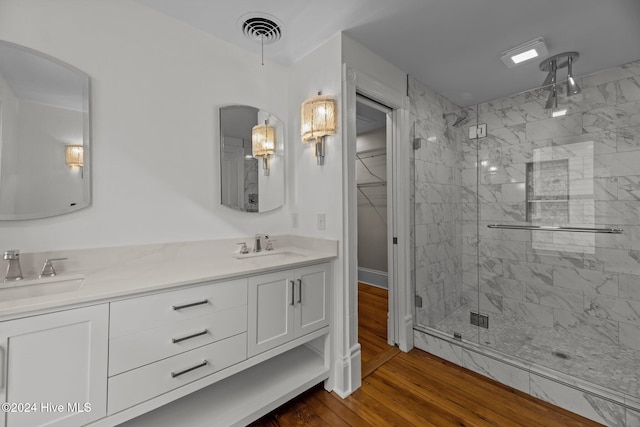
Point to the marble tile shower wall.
(589, 286)
(437, 201)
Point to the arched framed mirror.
(251, 159)
(45, 162)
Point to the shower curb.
(595, 402)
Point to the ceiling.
(452, 46)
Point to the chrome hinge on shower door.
(418, 301)
(479, 131)
(481, 320)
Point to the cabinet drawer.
(140, 348)
(138, 385)
(139, 314)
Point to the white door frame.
(400, 296)
(392, 331)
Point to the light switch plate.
(322, 222)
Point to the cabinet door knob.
(300, 291)
(293, 302)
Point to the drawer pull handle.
(193, 304)
(188, 337)
(193, 368)
(292, 292)
(300, 291)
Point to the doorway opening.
(373, 136)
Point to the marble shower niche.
(564, 307)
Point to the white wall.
(156, 86)
(362, 59)
(316, 189)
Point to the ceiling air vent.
(261, 28)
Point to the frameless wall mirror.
(251, 173)
(44, 139)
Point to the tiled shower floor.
(614, 367)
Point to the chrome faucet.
(13, 269)
(47, 268)
(257, 247)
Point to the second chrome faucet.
(13, 269)
(257, 247)
(257, 244)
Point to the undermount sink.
(31, 288)
(276, 253)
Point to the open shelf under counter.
(243, 397)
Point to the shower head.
(459, 121)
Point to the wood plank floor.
(415, 389)
(372, 328)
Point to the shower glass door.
(559, 227)
(527, 239)
(445, 216)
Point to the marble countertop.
(112, 273)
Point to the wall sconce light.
(74, 155)
(318, 119)
(263, 144)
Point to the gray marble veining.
(609, 366)
(628, 139)
(592, 406)
(628, 90)
(547, 292)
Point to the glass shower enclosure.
(526, 230)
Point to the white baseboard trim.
(371, 277)
(348, 372)
(407, 333)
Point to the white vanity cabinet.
(217, 353)
(286, 305)
(161, 342)
(54, 368)
(288, 351)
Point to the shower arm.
(553, 228)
